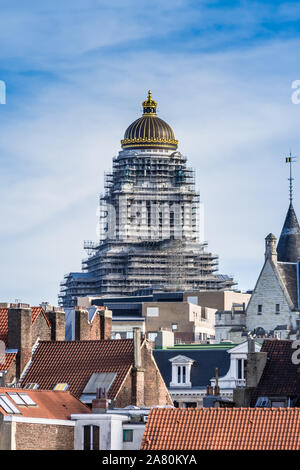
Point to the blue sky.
(76, 73)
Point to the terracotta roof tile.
(4, 321)
(50, 404)
(9, 358)
(73, 362)
(280, 376)
(222, 429)
(3, 324)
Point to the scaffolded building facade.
(149, 234)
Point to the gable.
(268, 292)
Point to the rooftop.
(39, 403)
(74, 362)
(280, 376)
(222, 429)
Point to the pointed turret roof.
(288, 248)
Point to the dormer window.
(181, 371)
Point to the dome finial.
(149, 105)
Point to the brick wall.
(155, 390)
(40, 329)
(58, 324)
(20, 335)
(30, 436)
(99, 328)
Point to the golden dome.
(149, 131)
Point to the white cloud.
(231, 111)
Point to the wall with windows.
(268, 306)
(189, 322)
(107, 432)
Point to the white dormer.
(181, 371)
(236, 374)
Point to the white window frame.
(178, 362)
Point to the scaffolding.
(148, 235)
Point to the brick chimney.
(100, 403)
(82, 326)
(57, 319)
(20, 334)
(105, 323)
(138, 373)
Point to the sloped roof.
(222, 429)
(288, 275)
(74, 362)
(288, 248)
(203, 368)
(280, 376)
(9, 358)
(49, 404)
(36, 311)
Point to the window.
(192, 300)
(61, 387)
(127, 435)
(174, 326)
(152, 336)
(17, 399)
(152, 311)
(181, 371)
(277, 308)
(7, 405)
(181, 374)
(27, 399)
(31, 386)
(91, 436)
(240, 368)
(259, 309)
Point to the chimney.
(20, 334)
(82, 327)
(251, 345)
(138, 373)
(105, 323)
(256, 362)
(217, 388)
(57, 319)
(271, 252)
(100, 403)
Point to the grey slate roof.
(288, 275)
(288, 248)
(202, 370)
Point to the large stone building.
(148, 220)
(273, 309)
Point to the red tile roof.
(222, 429)
(36, 311)
(280, 376)
(73, 362)
(50, 404)
(3, 324)
(9, 358)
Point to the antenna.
(290, 160)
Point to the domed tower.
(148, 221)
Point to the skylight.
(7, 405)
(16, 398)
(61, 387)
(27, 399)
